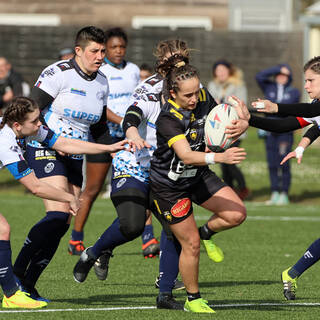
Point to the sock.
(7, 279)
(77, 235)
(41, 260)
(37, 237)
(193, 296)
(147, 234)
(205, 232)
(310, 257)
(110, 239)
(169, 263)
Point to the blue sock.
(77, 235)
(7, 279)
(169, 262)
(37, 237)
(110, 239)
(147, 234)
(310, 257)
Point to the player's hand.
(265, 106)
(298, 153)
(139, 143)
(236, 129)
(233, 155)
(240, 106)
(118, 146)
(74, 206)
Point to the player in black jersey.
(180, 175)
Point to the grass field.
(246, 285)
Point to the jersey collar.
(81, 73)
(174, 104)
(118, 66)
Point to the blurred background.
(253, 34)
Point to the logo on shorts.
(181, 208)
(121, 182)
(49, 167)
(167, 215)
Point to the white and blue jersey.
(122, 82)
(146, 96)
(12, 149)
(78, 99)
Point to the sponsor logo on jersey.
(181, 208)
(80, 92)
(49, 167)
(91, 117)
(14, 148)
(193, 134)
(115, 78)
(167, 215)
(119, 95)
(47, 73)
(42, 154)
(152, 97)
(64, 66)
(121, 182)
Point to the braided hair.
(313, 64)
(18, 111)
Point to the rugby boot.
(198, 306)
(289, 285)
(178, 285)
(167, 301)
(213, 251)
(22, 300)
(75, 247)
(101, 266)
(151, 249)
(83, 266)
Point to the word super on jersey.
(78, 98)
(146, 97)
(12, 149)
(174, 124)
(122, 82)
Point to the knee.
(4, 229)
(91, 192)
(192, 246)
(131, 230)
(238, 217)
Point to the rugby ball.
(214, 130)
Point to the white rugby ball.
(217, 120)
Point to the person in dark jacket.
(275, 83)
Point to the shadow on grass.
(265, 193)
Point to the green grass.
(246, 285)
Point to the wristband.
(209, 158)
(299, 152)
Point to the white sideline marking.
(270, 218)
(240, 305)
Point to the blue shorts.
(48, 163)
(123, 182)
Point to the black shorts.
(174, 206)
(102, 157)
(48, 163)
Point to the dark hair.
(180, 73)
(146, 67)
(177, 48)
(18, 111)
(313, 64)
(116, 32)
(225, 63)
(64, 52)
(88, 34)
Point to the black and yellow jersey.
(173, 124)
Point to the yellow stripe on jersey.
(175, 139)
(158, 208)
(174, 104)
(202, 95)
(174, 111)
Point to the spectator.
(145, 71)
(66, 54)
(227, 81)
(275, 83)
(11, 84)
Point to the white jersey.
(12, 149)
(122, 82)
(146, 97)
(314, 120)
(78, 99)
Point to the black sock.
(193, 296)
(205, 232)
(41, 260)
